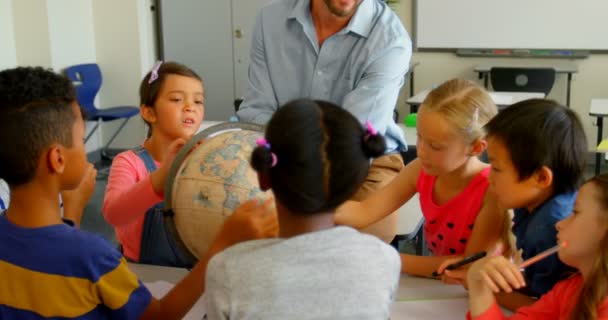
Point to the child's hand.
(158, 177)
(75, 200)
(496, 273)
(350, 214)
(457, 276)
(251, 220)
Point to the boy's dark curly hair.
(35, 112)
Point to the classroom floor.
(93, 220)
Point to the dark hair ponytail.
(317, 155)
(261, 159)
(374, 145)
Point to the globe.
(209, 181)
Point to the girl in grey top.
(314, 157)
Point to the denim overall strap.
(145, 156)
(157, 246)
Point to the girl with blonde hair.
(461, 216)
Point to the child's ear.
(544, 177)
(55, 159)
(478, 147)
(264, 181)
(147, 113)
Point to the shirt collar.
(300, 11)
(361, 22)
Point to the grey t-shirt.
(338, 273)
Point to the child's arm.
(497, 275)
(382, 202)
(126, 198)
(75, 200)
(422, 266)
(514, 300)
(249, 221)
(131, 191)
(488, 226)
(488, 276)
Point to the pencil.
(542, 255)
(472, 258)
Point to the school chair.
(599, 110)
(87, 81)
(410, 227)
(522, 79)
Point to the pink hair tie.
(261, 142)
(370, 129)
(154, 72)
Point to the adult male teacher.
(354, 53)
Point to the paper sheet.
(603, 146)
(160, 288)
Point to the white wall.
(591, 81)
(59, 33)
(124, 48)
(71, 34)
(8, 54)
(32, 40)
(72, 41)
(124, 54)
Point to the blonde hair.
(464, 104)
(507, 238)
(595, 288)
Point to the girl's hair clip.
(474, 119)
(370, 129)
(154, 71)
(261, 142)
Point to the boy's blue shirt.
(60, 272)
(536, 232)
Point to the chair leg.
(91, 133)
(421, 248)
(104, 150)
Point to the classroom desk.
(483, 71)
(502, 99)
(599, 109)
(410, 72)
(416, 298)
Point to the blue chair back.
(87, 81)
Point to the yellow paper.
(603, 146)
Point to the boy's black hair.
(35, 112)
(539, 132)
(322, 154)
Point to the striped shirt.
(59, 271)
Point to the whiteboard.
(512, 24)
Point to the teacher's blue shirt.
(362, 67)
